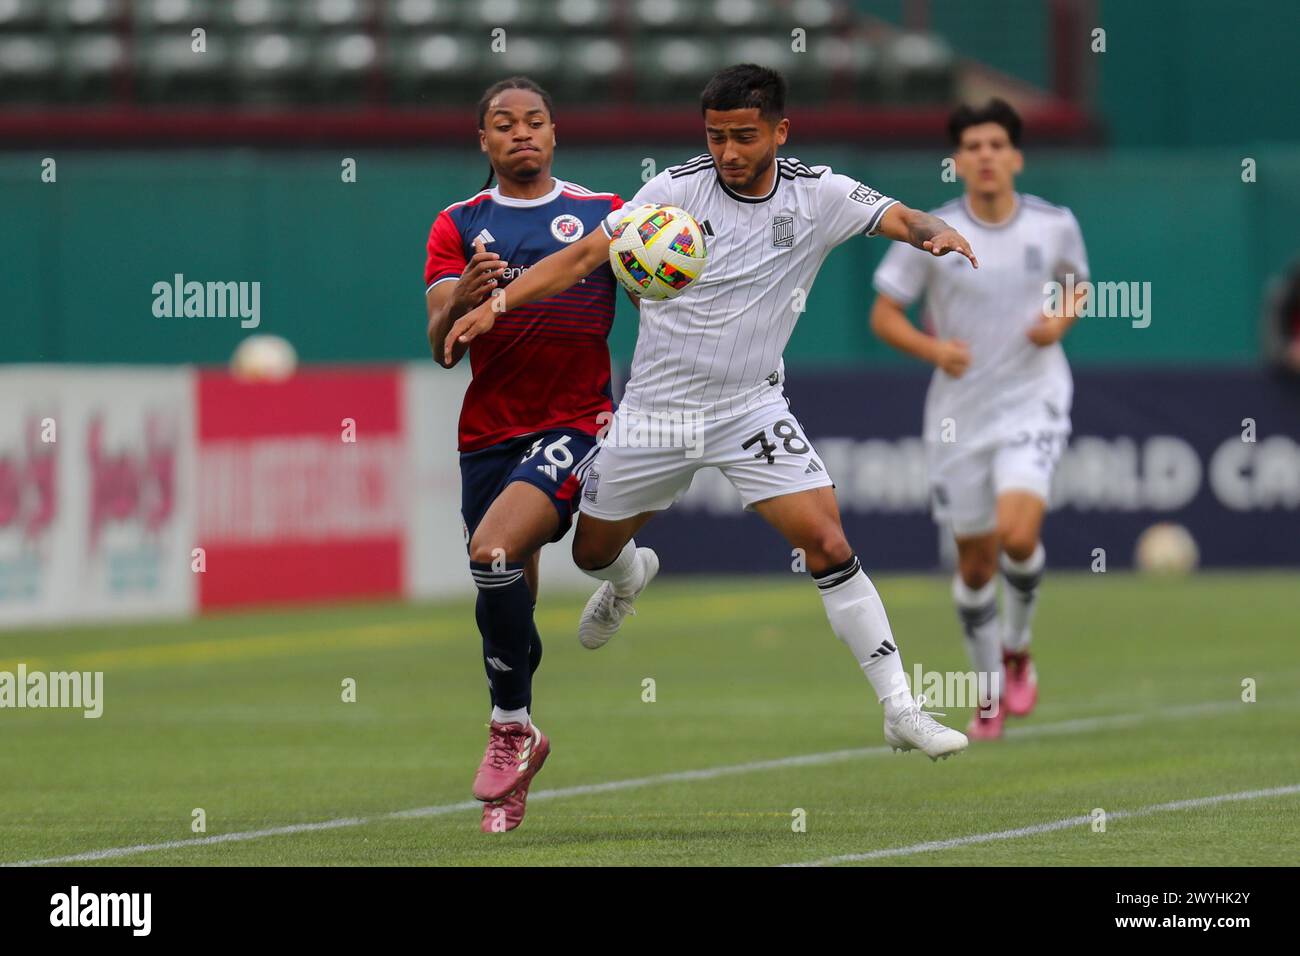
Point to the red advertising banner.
(302, 487)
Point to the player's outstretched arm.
(924, 231)
(555, 273)
(890, 324)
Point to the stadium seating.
(429, 52)
(22, 14)
(234, 15)
(169, 71)
(28, 67)
(90, 63)
(87, 14)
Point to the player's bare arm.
(924, 231)
(553, 274)
(891, 325)
(448, 301)
(1052, 328)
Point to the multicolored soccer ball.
(657, 251)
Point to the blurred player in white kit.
(997, 414)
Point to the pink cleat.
(514, 754)
(502, 816)
(986, 724)
(1021, 692)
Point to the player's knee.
(828, 548)
(590, 554)
(976, 569)
(1018, 542)
(482, 551)
(976, 576)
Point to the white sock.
(858, 619)
(978, 612)
(519, 716)
(627, 573)
(1020, 597)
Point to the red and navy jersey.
(544, 365)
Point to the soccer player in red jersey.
(539, 395)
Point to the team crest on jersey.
(864, 194)
(1033, 258)
(783, 232)
(566, 228)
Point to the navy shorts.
(554, 461)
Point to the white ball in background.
(263, 358)
(1166, 548)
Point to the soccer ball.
(263, 358)
(657, 251)
(1166, 548)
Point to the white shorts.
(965, 482)
(647, 460)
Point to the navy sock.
(534, 645)
(480, 615)
(505, 619)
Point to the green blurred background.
(341, 265)
(1184, 92)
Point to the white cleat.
(605, 611)
(915, 729)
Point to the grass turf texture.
(242, 716)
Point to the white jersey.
(715, 351)
(1011, 384)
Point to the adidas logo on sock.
(884, 650)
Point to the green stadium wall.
(1174, 72)
(340, 264)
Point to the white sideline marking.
(1037, 828)
(681, 776)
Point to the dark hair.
(994, 111)
(746, 86)
(510, 83)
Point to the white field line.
(1080, 725)
(1037, 828)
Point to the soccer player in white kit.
(997, 415)
(712, 356)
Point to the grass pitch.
(759, 713)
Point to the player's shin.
(858, 618)
(504, 612)
(1020, 598)
(977, 609)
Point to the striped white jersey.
(714, 352)
(1011, 385)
